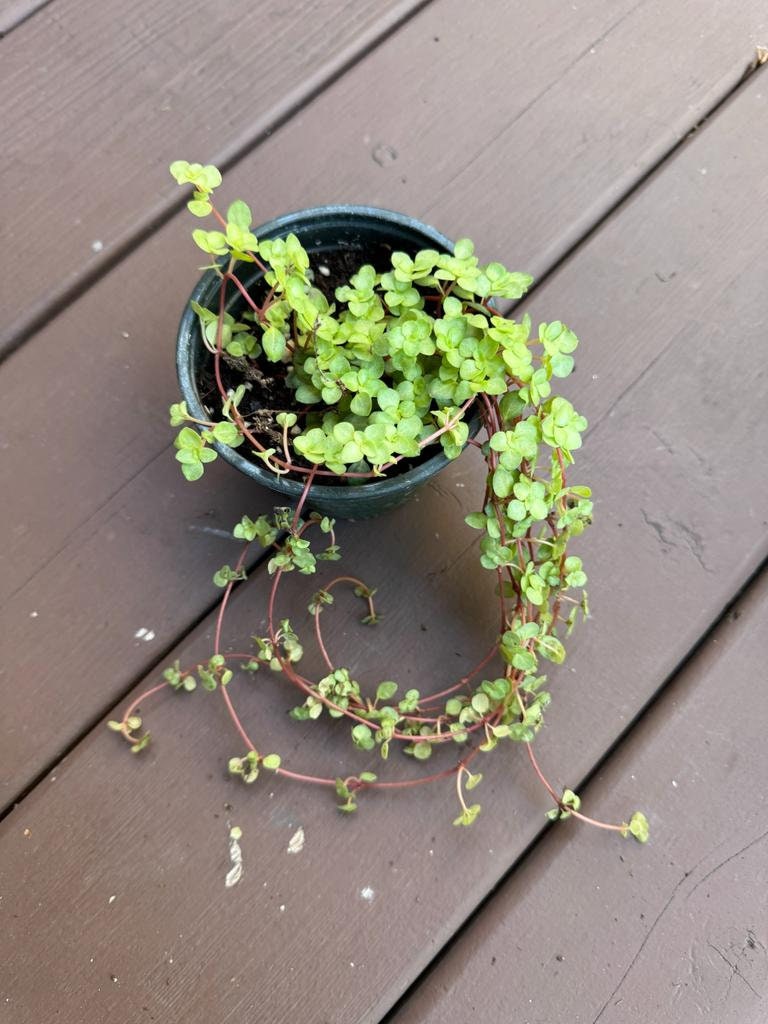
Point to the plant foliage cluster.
(395, 362)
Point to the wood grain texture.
(486, 124)
(105, 503)
(677, 536)
(677, 931)
(14, 12)
(106, 96)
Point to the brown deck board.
(141, 830)
(106, 95)
(677, 931)
(107, 520)
(487, 134)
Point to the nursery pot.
(370, 235)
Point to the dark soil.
(269, 393)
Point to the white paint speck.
(33, 615)
(431, 853)
(124, 334)
(367, 894)
(144, 634)
(296, 842)
(674, 783)
(282, 907)
(235, 873)
(325, 271)
(351, 963)
(97, 246)
(703, 170)
(111, 899)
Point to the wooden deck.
(616, 150)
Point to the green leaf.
(178, 413)
(362, 737)
(638, 827)
(199, 207)
(551, 648)
(384, 691)
(274, 345)
(422, 751)
(271, 761)
(481, 703)
(226, 433)
(141, 744)
(476, 520)
(213, 242)
(239, 214)
(468, 816)
(570, 799)
(503, 482)
(192, 470)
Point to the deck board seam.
(93, 721)
(31, 321)
(544, 92)
(635, 723)
(82, 525)
(752, 68)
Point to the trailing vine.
(393, 363)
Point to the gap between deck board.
(692, 785)
(413, 997)
(131, 234)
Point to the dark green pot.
(363, 230)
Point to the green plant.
(390, 364)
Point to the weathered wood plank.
(106, 95)
(148, 824)
(162, 90)
(14, 12)
(675, 932)
(104, 477)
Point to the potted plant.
(341, 356)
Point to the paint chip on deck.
(235, 873)
(144, 634)
(367, 894)
(296, 843)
